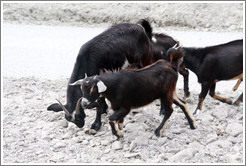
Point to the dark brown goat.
(129, 89)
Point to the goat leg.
(118, 116)
(182, 104)
(217, 97)
(101, 107)
(237, 84)
(168, 112)
(202, 95)
(185, 73)
(239, 100)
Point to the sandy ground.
(31, 134)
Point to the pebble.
(66, 136)
(211, 138)
(220, 114)
(60, 145)
(76, 140)
(63, 123)
(130, 155)
(105, 142)
(85, 142)
(184, 155)
(117, 145)
(234, 129)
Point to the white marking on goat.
(154, 39)
(101, 87)
(125, 65)
(87, 81)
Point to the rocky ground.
(31, 134)
(171, 16)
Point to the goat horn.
(64, 109)
(77, 106)
(175, 45)
(85, 75)
(179, 46)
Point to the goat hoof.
(157, 133)
(236, 103)
(96, 126)
(162, 112)
(193, 126)
(91, 132)
(120, 138)
(196, 112)
(186, 95)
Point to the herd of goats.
(131, 66)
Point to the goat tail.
(147, 27)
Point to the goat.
(118, 47)
(212, 64)
(129, 89)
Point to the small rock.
(85, 142)
(117, 145)
(92, 143)
(184, 155)
(80, 133)
(76, 140)
(133, 145)
(211, 138)
(129, 155)
(234, 129)
(66, 136)
(60, 145)
(218, 145)
(220, 114)
(64, 123)
(107, 151)
(105, 142)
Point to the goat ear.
(79, 82)
(101, 87)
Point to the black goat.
(213, 64)
(113, 49)
(129, 89)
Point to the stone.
(234, 129)
(184, 155)
(105, 142)
(76, 140)
(64, 123)
(130, 155)
(60, 145)
(117, 145)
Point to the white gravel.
(171, 16)
(31, 134)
